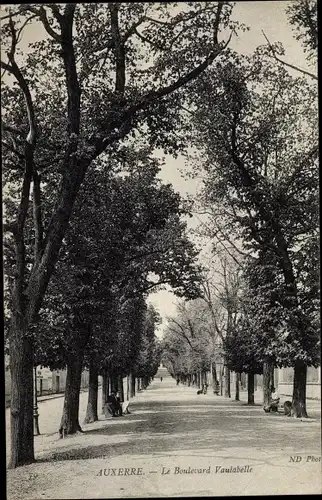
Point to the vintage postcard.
(161, 249)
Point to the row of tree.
(89, 230)
(125, 241)
(101, 76)
(256, 138)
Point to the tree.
(241, 356)
(130, 228)
(99, 92)
(261, 161)
(302, 15)
(147, 362)
(221, 295)
(188, 342)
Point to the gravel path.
(174, 443)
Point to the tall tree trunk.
(221, 379)
(128, 387)
(237, 386)
(91, 412)
(299, 390)
(227, 393)
(114, 384)
(69, 422)
(214, 379)
(272, 376)
(243, 381)
(250, 389)
(21, 409)
(105, 389)
(138, 384)
(132, 385)
(120, 387)
(267, 381)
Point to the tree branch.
(13, 130)
(162, 92)
(119, 48)
(37, 215)
(296, 68)
(183, 332)
(41, 13)
(21, 156)
(72, 83)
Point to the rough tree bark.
(132, 385)
(114, 383)
(105, 389)
(272, 376)
(299, 390)
(21, 409)
(214, 379)
(91, 412)
(237, 376)
(199, 379)
(250, 388)
(267, 381)
(128, 387)
(120, 387)
(227, 393)
(69, 422)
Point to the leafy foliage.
(129, 229)
(302, 14)
(260, 162)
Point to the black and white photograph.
(161, 249)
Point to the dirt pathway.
(174, 443)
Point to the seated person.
(274, 401)
(288, 408)
(113, 405)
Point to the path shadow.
(161, 433)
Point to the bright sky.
(258, 15)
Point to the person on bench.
(274, 401)
(114, 406)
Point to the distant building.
(283, 379)
(48, 382)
